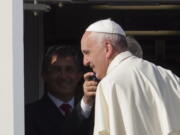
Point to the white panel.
(6, 67)
(11, 68)
(18, 67)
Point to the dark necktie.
(66, 108)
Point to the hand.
(89, 88)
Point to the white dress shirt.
(59, 102)
(85, 108)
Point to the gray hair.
(118, 41)
(134, 47)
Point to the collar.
(118, 59)
(59, 102)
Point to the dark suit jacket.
(44, 118)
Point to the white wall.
(11, 68)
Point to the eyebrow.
(85, 51)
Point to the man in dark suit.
(59, 111)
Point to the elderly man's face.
(94, 53)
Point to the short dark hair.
(61, 51)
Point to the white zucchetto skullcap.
(106, 26)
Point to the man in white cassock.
(134, 96)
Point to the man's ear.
(109, 49)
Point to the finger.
(90, 94)
(88, 75)
(90, 83)
(91, 88)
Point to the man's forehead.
(85, 42)
(54, 59)
(86, 36)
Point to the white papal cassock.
(137, 97)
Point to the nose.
(63, 74)
(86, 61)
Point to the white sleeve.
(85, 109)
